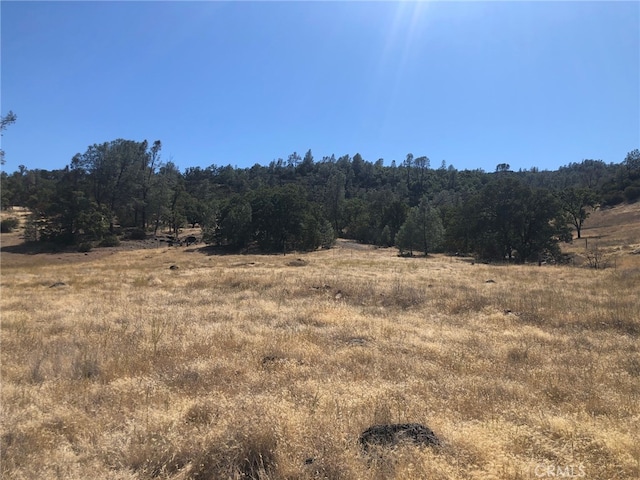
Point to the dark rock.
(58, 284)
(267, 359)
(390, 435)
(273, 362)
(174, 267)
(190, 240)
(490, 281)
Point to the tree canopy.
(302, 203)
(5, 121)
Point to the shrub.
(8, 225)
(612, 199)
(110, 241)
(597, 258)
(84, 247)
(632, 193)
(137, 234)
(31, 231)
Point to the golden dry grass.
(615, 232)
(263, 367)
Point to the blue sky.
(473, 83)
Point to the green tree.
(293, 161)
(32, 229)
(174, 196)
(632, 193)
(311, 231)
(632, 161)
(357, 222)
(394, 215)
(38, 189)
(306, 166)
(71, 217)
(422, 230)
(117, 173)
(430, 225)
(408, 237)
(149, 164)
(5, 121)
(14, 188)
(408, 165)
(334, 197)
(386, 240)
(196, 211)
(540, 227)
(501, 207)
(235, 224)
(422, 165)
(283, 219)
(508, 220)
(327, 233)
(574, 202)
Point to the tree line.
(124, 187)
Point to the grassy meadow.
(270, 367)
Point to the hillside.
(117, 366)
(617, 227)
(615, 232)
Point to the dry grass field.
(270, 367)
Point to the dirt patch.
(298, 262)
(15, 252)
(352, 245)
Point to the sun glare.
(402, 42)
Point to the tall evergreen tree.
(422, 230)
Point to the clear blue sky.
(473, 83)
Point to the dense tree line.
(124, 187)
